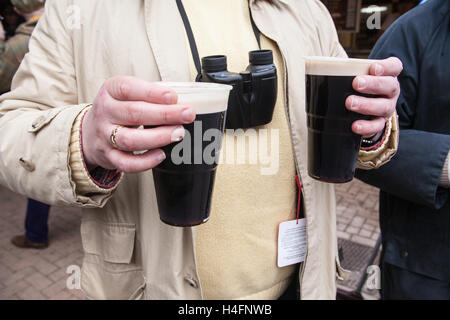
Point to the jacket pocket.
(110, 267)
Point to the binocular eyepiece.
(254, 94)
(219, 63)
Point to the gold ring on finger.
(113, 136)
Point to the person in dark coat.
(415, 194)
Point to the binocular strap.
(191, 37)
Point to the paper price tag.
(291, 242)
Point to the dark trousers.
(36, 228)
(401, 284)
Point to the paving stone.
(343, 235)
(78, 294)
(71, 259)
(58, 274)
(350, 211)
(18, 275)
(340, 209)
(45, 267)
(38, 281)
(370, 202)
(357, 221)
(34, 274)
(55, 289)
(9, 259)
(372, 222)
(361, 196)
(26, 262)
(63, 295)
(343, 219)
(31, 294)
(363, 241)
(5, 273)
(352, 230)
(365, 233)
(368, 227)
(9, 291)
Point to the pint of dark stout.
(333, 148)
(184, 182)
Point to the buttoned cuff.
(87, 182)
(382, 152)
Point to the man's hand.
(2, 32)
(382, 82)
(132, 102)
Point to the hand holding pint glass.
(122, 105)
(346, 100)
(125, 103)
(184, 182)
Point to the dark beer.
(333, 148)
(184, 182)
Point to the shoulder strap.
(191, 37)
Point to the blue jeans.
(36, 228)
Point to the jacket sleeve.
(330, 42)
(414, 173)
(36, 117)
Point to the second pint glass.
(333, 147)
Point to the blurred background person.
(10, 19)
(415, 194)
(12, 53)
(14, 49)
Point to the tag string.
(300, 187)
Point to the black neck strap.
(191, 38)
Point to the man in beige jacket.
(90, 69)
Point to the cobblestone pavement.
(37, 274)
(357, 221)
(41, 274)
(357, 212)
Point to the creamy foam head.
(204, 97)
(329, 66)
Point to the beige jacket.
(129, 253)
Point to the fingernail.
(161, 156)
(187, 115)
(362, 83)
(168, 98)
(358, 127)
(379, 70)
(354, 103)
(178, 134)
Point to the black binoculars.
(254, 94)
